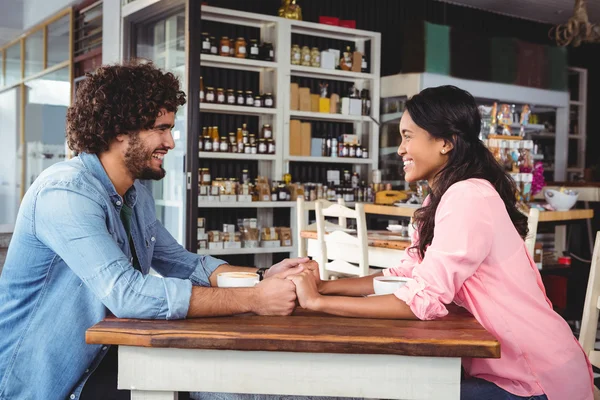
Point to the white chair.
(302, 209)
(349, 254)
(589, 320)
(532, 223)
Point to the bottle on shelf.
(202, 96)
(254, 52)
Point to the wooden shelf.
(571, 215)
(294, 114)
(236, 156)
(256, 250)
(322, 73)
(238, 110)
(246, 64)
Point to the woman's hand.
(306, 289)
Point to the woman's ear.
(447, 147)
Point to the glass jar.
(207, 146)
(365, 153)
(224, 47)
(253, 51)
(252, 139)
(268, 53)
(344, 152)
(216, 144)
(224, 145)
(305, 56)
(205, 43)
(267, 131)
(210, 95)
(283, 192)
(247, 149)
(359, 152)
(262, 146)
(268, 100)
(240, 99)
(249, 98)
(206, 179)
(245, 176)
(352, 151)
(240, 47)
(270, 146)
(295, 56)
(232, 143)
(258, 101)
(220, 96)
(214, 49)
(230, 97)
(315, 57)
(253, 149)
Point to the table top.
(396, 211)
(382, 239)
(456, 335)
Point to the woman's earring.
(443, 151)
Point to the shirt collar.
(93, 164)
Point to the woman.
(468, 248)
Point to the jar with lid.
(274, 191)
(240, 47)
(214, 49)
(305, 56)
(205, 43)
(210, 95)
(247, 149)
(359, 152)
(315, 57)
(232, 143)
(224, 145)
(206, 179)
(252, 139)
(296, 55)
(258, 101)
(253, 51)
(345, 150)
(245, 176)
(240, 99)
(262, 146)
(220, 96)
(207, 146)
(365, 153)
(347, 175)
(267, 131)
(216, 144)
(230, 96)
(270, 146)
(283, 192)
(253, 149)
(352, 151)
(224, 47)
(249, 98)
(268, 100)
(268, 53)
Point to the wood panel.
(456, 335)
(390, 210)
(554, 216)
(374, 239)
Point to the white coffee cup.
(237, 279)
(389, 284)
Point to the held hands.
(307, 285)
(289, 266)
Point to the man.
(86, 237)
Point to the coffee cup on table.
(389, 284)
(237, 279)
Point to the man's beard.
(138, 160)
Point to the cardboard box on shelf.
(334, 103)
(244, 198)
(305, 137)
(201, 222)
(355, 106)
(349, 138)
(304, 99)
(285, 235)
(328, 60)
(314, 102)
(324, 105)
(356, 61)
(215, 245)
(295, 137)
(345, 108)
(316, 145)
(294, 96)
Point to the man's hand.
(313, 268)
(306, 289)
(274, 296)
(287, 267)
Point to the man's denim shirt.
(69, 263)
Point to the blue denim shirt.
(69, 262)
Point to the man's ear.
(121, 138)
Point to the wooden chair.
(589, 320)
(302, 209)
(349, 253)
(532, 223)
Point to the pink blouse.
(478, 261)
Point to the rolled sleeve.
(206, 266)
(178, 293)
(462, 240)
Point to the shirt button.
(118, 202)
(87, 370)
(72, 397)
(104, 348)
(152, 239)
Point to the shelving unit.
(246, 64)
(577, 126)
(294, 114)
(236, 156)
(239, 110)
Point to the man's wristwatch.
(261, 273)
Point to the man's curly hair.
(119, 99)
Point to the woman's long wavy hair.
(450, 113)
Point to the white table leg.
(286, 373)
(147, 395)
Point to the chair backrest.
(302, 209)
(349, 253)
(589, 321)
(532, 223)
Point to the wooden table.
(306, 354)
(384, 247)
(396, 211)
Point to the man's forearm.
(227, 268)
(214, 302)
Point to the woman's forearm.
(385, 307)
(349, 286)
